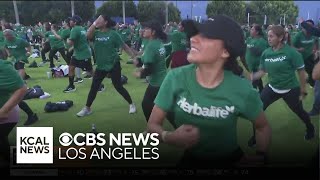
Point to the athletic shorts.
(85, 64)
(19, 65)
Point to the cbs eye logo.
(65, 139)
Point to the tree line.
(32, 12)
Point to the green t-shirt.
(17, 49)
(178, 41)
(168, 48)
(105, 46)
(154, 57)
(136, 36)
(281, 66)
(65, 34)
(125, 33)
(10, 81)
(55, 43)
(301, 40)
(144, 44)
(213, 111)
(252, 59)
(81, 46)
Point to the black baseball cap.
(76, 19)
(226, 29)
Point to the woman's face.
(253, 32)
(147, 33)
(273, 39)
(206, 51)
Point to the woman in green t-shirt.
(12, 91)
(256, 44)
(154, 64)
(106, 42)
(281, 62)
(205, 104)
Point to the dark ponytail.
(232, 64)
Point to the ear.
(225, 54)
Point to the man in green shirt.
(82, 53)
(56, 44)
(18, 49)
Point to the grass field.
(110, 114)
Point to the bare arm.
(69, 42)
(156, 120)
(302, 78)
(56, 35)
(91, 31)
(257, 75)
(263, 133)
(316, 72)
(244, 63)
(128, 50)
(15, 98)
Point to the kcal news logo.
(34, 145)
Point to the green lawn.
(110, 114)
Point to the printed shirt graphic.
(214, 111)
(281, 66)
(17, 49)
(154, 57)
(302, 41)
(106, 45)
(252, 60)
(80, 44)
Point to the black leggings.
(25, 107)
(268, 96)
(309, 65)
(258, 84)
(5, 130)
(69, 55)
(148, 100)
(46, 48)
(54, 51)
(98, 77)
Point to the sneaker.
(78, 80)
(31, 119)
(84, 112)
(101, 89)
(84, 72)
(252, 142)
(313, 113)
(69, 89)
(309, 134)
(88, 76)
(132, 109)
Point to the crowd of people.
(191, 69)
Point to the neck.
(104, 29)
(277, 47)
(209, 76)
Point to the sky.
(199, 8)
